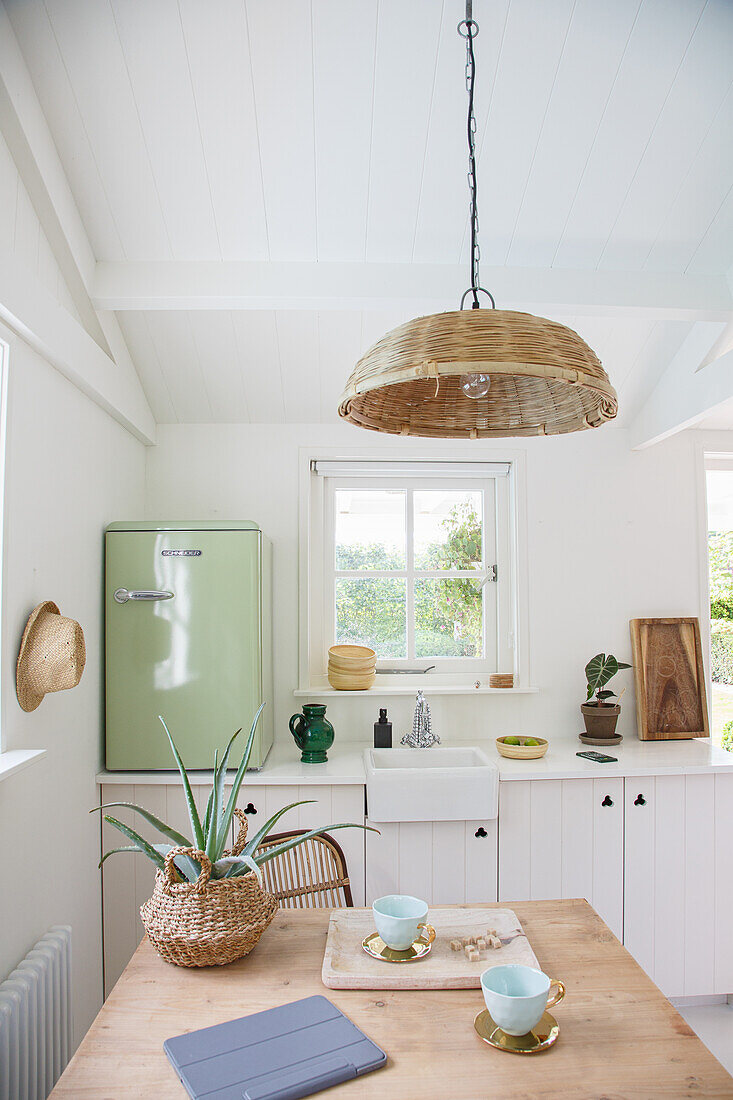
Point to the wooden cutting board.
(347, 966)
(669, 679)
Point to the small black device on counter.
(383, 731)
(598, 757)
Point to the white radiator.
(35, 1019)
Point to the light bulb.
(475, 386)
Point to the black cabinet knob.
(481, 831)
(250, 809)
(640, 800)
(607, 801)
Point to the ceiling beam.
(183, 285)
(26, 132)
(24, 127)
(686, 393)
(30, 311)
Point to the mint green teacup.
(398, 918)
(517, 996)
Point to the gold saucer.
(542, 1037)
(375, 946)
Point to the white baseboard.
(698, 1002)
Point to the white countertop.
(634, 758)
(283, 767)
(345, 764)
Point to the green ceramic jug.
(313, 733)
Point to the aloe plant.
(599, 670)
(211, 834)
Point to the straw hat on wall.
(52, 655)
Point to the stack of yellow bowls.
(351, 667)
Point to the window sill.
(410, 689)
(17, 759)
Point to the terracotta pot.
(600, 721)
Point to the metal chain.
(468, 28)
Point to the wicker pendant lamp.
(478, 373)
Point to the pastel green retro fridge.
(187, 636)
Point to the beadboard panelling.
(537, 819)
(127, 878)
(21, 235)
(443, 862)
(640, 886)
(723, 883)
(608, 853)
(664, 893)
(330, 805)
(340, 136)
(701, 839)
(220, 135)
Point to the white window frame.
(11, 760)
(509, 591)
(707, 458)
(488, 488)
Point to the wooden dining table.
(619, 1036)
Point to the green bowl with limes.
(516, 747)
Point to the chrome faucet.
(422, 736)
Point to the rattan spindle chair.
(312, 876)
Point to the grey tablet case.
(281, 1054)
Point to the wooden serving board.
(347, 966)
(669, 679)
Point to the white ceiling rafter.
(26, 132)
(110, 377)
(29, 310)
(262, 207)
(349, 286)
(684, 395)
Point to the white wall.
(612, 535)
(70, 470)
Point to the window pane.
(448, 619)
(371, 611)
(370, 529)
(448, 529)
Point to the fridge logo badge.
(181, 553)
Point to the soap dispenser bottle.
(383, 731)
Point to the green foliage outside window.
(720, 552)
(448, 612)
(726, 739)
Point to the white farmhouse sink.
(435, 784)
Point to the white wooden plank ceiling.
(334, 131)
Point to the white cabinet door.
(563, 838)
(127, 879)
(327, 805)
(443, 862)
(723, 855)
(679, 881)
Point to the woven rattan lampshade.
(545, 380)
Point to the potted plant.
(599, 714)
(208, 905)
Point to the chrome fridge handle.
(122, 595)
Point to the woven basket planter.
(545, 380)
(207, 923)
